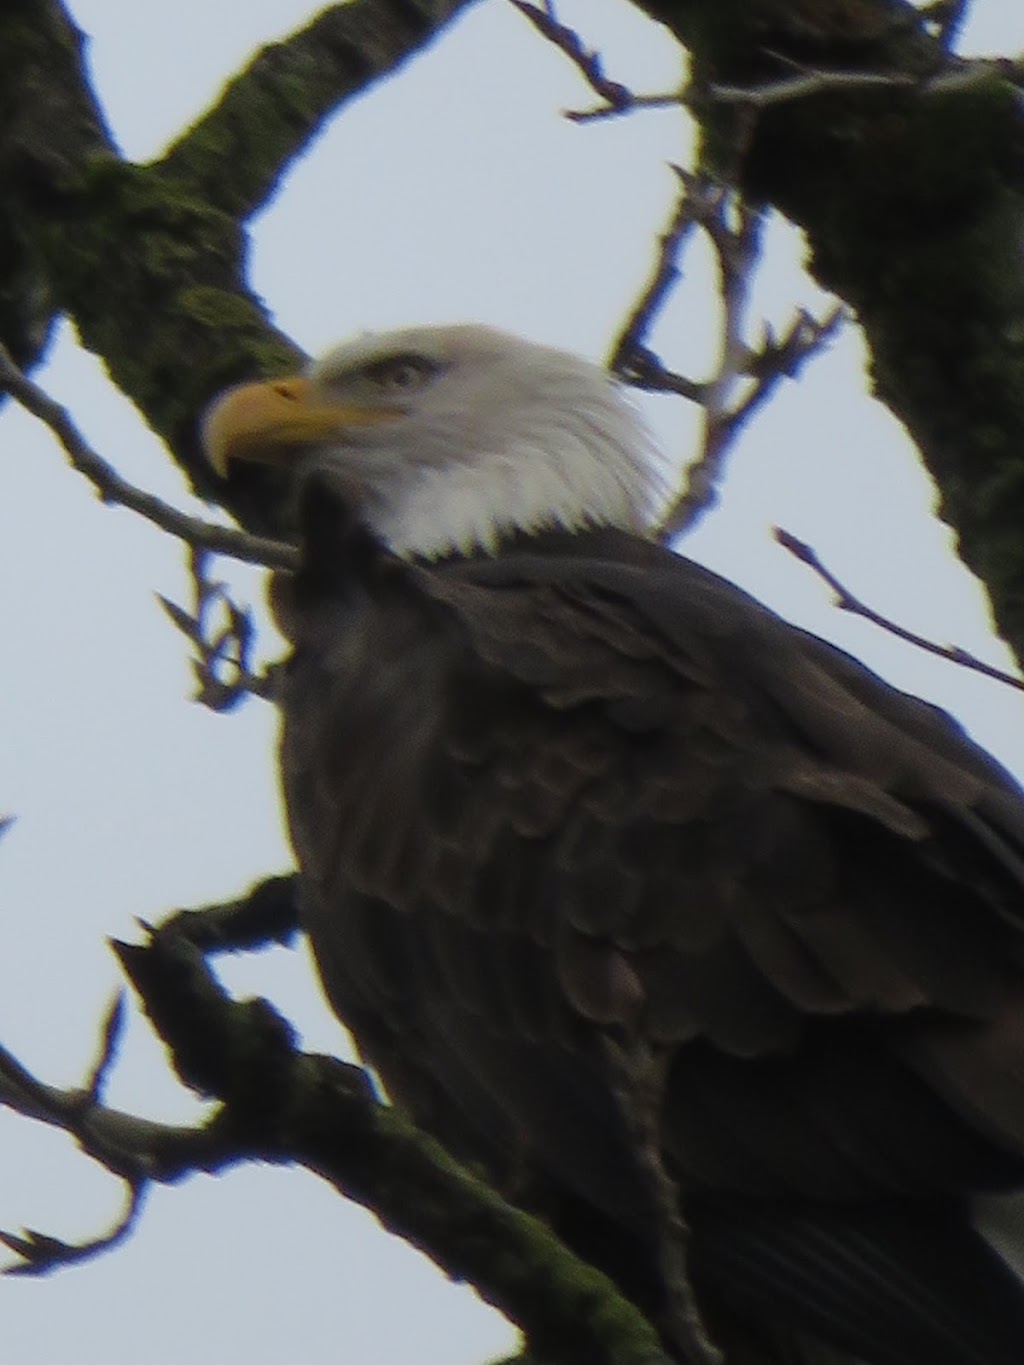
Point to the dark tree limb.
(912, 200)
(147, 260)
(267, 913)
(280, 1104)
(277, 1104)
(265, 117)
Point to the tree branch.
(913, 209)
(235, 153)
(223, 636)
(112, 488)
(278, 1104)
(617, 98)
(845, 601)
(632, 359)
(746, 376)
(775, 360)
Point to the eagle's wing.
(551, 795)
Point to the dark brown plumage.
(583, 791)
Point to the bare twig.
(132, 1148)
(113, 1028)
(806, 81)
(112, 488)
(736, 250)
(40, 1253)
(801, 81)
(664, 99)
(617, 98)
(845, 600)
(745, 376)
(224, 636)
(783, 358)
(631, 359)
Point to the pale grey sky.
(453, 191)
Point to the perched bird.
(628, 886)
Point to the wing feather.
(667, 812)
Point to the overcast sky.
(451, 192)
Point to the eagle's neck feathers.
(558, 471)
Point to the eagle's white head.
(448, 439)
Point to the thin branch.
(617, 98)
(736, 251)
(125, 1144)
(130, 1146)
(41, 1254)
(774, 361)
(802, 82)
(223, 635)
(110, 1038)
(806, 82)
(664, 99)
(235, 154)
(112, 488)
(734, 231)
(845, 601)
(631, 358)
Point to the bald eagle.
(595, 846)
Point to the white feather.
(505, 436)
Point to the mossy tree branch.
(149, 261)
(913, 206)
(236, 153)
(280, 1104)
(277, 1104)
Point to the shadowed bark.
(913, 205)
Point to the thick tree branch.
(278, 1104)
(235, 154)
(283, 1105)
(145, 259)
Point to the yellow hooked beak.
(267, 421)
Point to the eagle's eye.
(401, 373)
